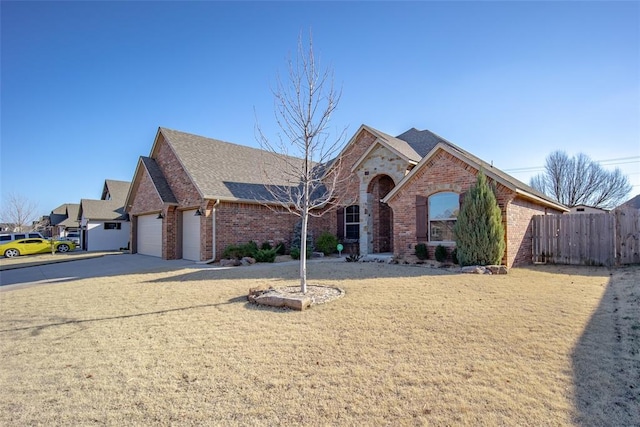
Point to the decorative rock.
(257, 291)
(473, 269)
(498, 269)
(272, 300)
(230, 263)
(248, 260)
(489, 269)
(317, 255)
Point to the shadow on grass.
(606, 358)
(291, 272)
(36, 329)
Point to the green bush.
(295, 253)
(240, 251)
(422, 252)
(326, 243)
(353, 258)
(266, 255)
(281, 248)
(266, 246)
(454, 256)
(478, 229)
(441, 253)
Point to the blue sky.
(85, 85)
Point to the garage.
(191, 235)
(149, 236)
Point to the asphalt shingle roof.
(116, 189)
(229, 171)
(423, 141)
(159, 180)
(97, 210)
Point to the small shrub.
(232, 252)
(295, 253)
(353, 258)
(327, 243)
(441, 253)
(266, 246)
(454, 256)
(281, 248)
(422, 252)
(240, 251)
(266, 255)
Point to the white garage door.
(190, 235)
(149, 235)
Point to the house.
(104, 223)
(64, 219)
(633, 203)
(585, 209)
(192, 196)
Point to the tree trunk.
(303, 253)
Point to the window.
(443, 211)
(5, 238)
(112, 226)
(352, 222)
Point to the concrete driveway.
(107, 265)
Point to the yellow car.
(34, 246)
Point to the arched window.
(443, 212)
(352, 222)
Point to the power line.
(607, 162)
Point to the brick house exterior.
(387, 185)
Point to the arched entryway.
(381, 238)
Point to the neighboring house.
(104, 223)
(64, 219)
(633, 203)
(193, 196)
(584, 209)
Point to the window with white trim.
(443, 213)
(352, 222)
(112, 225)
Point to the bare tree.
(18, 211)
(301, 171)
(581, 181)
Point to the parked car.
(72, 236)
(34, 246)
(7, 237)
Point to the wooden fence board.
(584, 239)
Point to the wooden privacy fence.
(587, 239)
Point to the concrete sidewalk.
(44, 259)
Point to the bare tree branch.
(581, 181)
(301, 169)
(18, 211)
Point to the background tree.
(478, 229)
(302, 173)
(18, 211)
(581, 181)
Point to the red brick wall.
(238, 223)
(145, 200)
(519, 243)
(178, 180)
(443, 172)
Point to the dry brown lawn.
(405, 346)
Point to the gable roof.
(98, 210)
(424, 139)
(226, 171)
(633, 203)
(115, 190)
(65, 215)
(111, 209)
